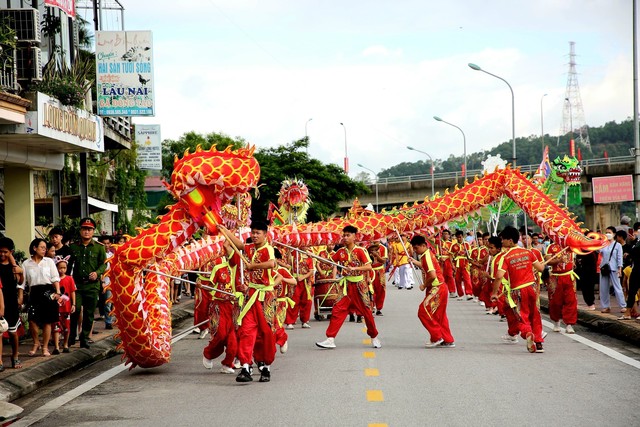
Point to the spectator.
(586, 269)
(67, 303)
(56, 236)
(625, 224)
(634, 279)
(611, 255)
(536, 243)
(41, 277)
(88, 265)
(11, 288)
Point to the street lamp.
(464, 142)
(432, 168)
(513, 107)
(306, 138)
(346, 157)
(542, 123)
(376, 175)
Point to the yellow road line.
(375, 396)
(364, 330)
(371, 372)
(369, 355)
(366, 341)
(377, 425)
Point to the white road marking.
(599, 347)
(56, 403)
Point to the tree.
(328, 184)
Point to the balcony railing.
(9, 72)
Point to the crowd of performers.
(260, 291)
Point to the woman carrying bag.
(41, 277)
(611, 272)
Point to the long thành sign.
(124, 75)
(612, 189)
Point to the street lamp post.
(464, 142)
(346, 157)
(513, 108)
(376, 175)
(432, 168)
(306, 137)
(542, 123)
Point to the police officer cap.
(87, 222)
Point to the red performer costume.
(257, 317)
(355, 291)
(283, 302)
(444, 256)
(379, 256)
(517, 266)
(479, 255)
(460, 250)
(304, 273)
(223, 312)
(563, 303)
(432, 312)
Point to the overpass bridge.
(395, 191)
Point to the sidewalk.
(605, 323)
(38, 370)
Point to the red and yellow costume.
(354, 295)
(379, 281)
(303, 291)
(460, 253)
(444, 256)
(257, 317)
(479, 255)
(283, 303)
(563, 303)
(223, 310)
(432, 312)
(520, 292)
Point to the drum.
(326, 293)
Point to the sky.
(269, 71)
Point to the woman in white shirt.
(41, 277)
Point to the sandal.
(1, 368)
(46, 353)
(16, 363)
(625, 318)
(34, 350)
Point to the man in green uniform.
(87, 265)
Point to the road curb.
(27, 380)
(604, 324)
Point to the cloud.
(381, 51)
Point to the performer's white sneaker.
(376, 342)
(570, 329)
(207, 363)
(289, 327)
(203, 334)
(284, 347)
(227, 370)
(434, 344)
(305, 325)
(510, 339)
(328, 343)
(556, 326)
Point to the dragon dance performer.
(256, 338)
(563, 302)
(355, 291)
(517, 266)
(283, 300)
(460, 250)
(304, 273)
(403, 270)
(432, 312)
(479, 256)
(223, 312)
(379, 256)
(444, 257)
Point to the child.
(67, 305)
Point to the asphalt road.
(480, 382)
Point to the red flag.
(605, 154)
(579, 154)
(572, 148)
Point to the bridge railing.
(471, 173)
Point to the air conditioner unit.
(25, 22)
(29, 63)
